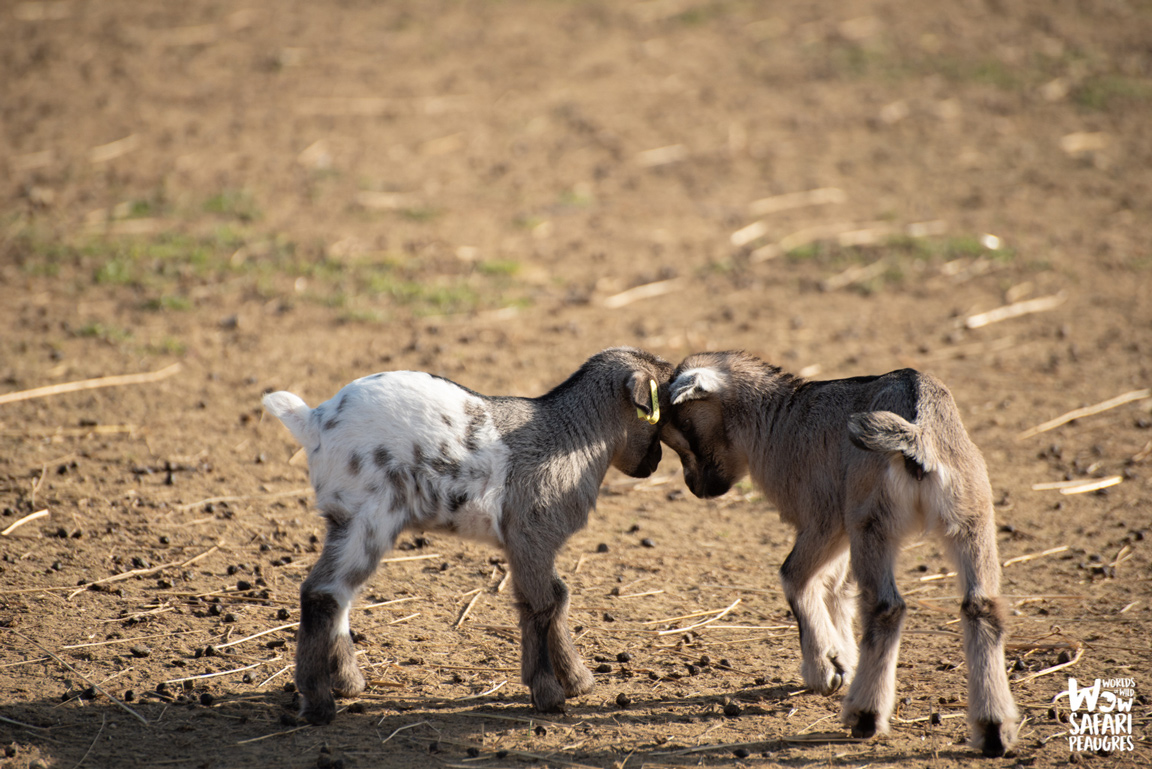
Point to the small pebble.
(732, 710)
(604, 668)
(283, 614)
(243, 585)
(602, 548)
(741, 753)
(140, 652)
(229, 617)
(623, 657)
(647, 542)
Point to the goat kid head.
(643, 390)
(696, 427)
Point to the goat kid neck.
(581, 423)
(761, 423)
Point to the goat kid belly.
(413, 446)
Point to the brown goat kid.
(855, 465)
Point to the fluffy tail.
(294, 413)
(886, 432)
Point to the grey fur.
(854, 465)
(554, 450)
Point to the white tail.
(293, 412)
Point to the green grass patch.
(1108, 92)
(169, 345)
(97, 330)
(168, 302)
(237, 204)
(498, 267)
(420, 213)
(164, 268)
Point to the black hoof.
(319, 712)
(993, 744)
(865, 726)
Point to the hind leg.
(840, 598)
(827, 656)
(325, 657)
(992, 714)
(868, 704)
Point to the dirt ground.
(292, 195)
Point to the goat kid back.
(408, 450)
(855, 466)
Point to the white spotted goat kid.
(407, 450)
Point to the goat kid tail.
(890, 433)
(294, 413)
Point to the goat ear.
(696, 383)
(644, 397)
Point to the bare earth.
(292, 195)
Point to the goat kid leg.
(827, 654)
(868, 705)
(325, 657)
(315, 650)
(992, 714)
(841, 601)
(574, 675)
(537, 601)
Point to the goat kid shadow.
(89, 729)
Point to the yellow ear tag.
(654, 417)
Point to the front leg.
(536, 669)
(573, 673)
(550, 667)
